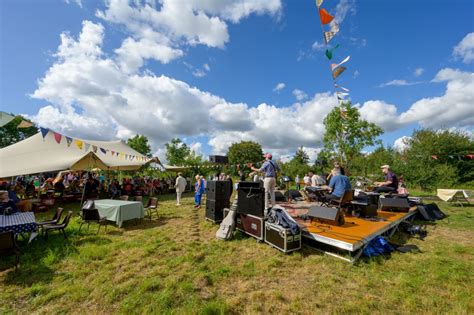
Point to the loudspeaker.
(279, 196)
(215, 210)
(218, 159)
(394, 204)
(251, 198)
(218, 190)
(333, 216)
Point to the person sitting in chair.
(390, 183)
(338, 184)
(6, 204)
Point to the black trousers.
(384, 189)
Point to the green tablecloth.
(119, 210)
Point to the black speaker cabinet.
(218, 189)
(251, 199)
(333, 216)
(394, 204)
(215, 210)
(279, 197)
(218, 159)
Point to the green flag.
(330, 51)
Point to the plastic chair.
(57, 226)
(152, 206)
(92, 215)
(55, 219)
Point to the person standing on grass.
(180, 186)
(270, 169)
(199, 190)
(297, 182)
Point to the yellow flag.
(79, 144)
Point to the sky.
(215, 72)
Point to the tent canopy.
(37, 154)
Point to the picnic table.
(19, 223)
(119, 210)
(458, 196)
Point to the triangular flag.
(113, 153)
(57, 137)
(334, 66)
(87, 146)
(79, 144)
(44, 131)
(94, 148)
(25, 124)
(330, 51)
(328, 36)
(338, 72)
(326, 18)
(118, 153)
(69, 141)
(342, 93)
(103, 150)
(319, 2)
(5, 119)
(334, 27)
(341, 87)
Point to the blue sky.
(207, 71)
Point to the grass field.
(173, 264)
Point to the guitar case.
(227, 226)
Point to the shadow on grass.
(146, 223)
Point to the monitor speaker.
(394, 204)
(333, 216)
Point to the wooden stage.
(350, 238)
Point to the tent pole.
(84, 187)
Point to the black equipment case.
(251, 198)
(251, 225)
(281, 238)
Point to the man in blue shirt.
(270, 169)
(338, 184)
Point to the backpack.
(378, 246)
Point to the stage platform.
(346, 241)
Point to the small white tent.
(56, 152)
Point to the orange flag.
(326, 18)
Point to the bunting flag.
(330, 51)
(334, 65)
(328, 36)
(57, 137)
(87, 147)
(103, 150)
(94, 148)
(334, 27)
(118, 154)
(44, 131)
(319, 2)
(79, 144)
(326, 18)
(25, 124)
(69, 141)
(338, 72)
(5, 119)
(337, 86)
(113, 153)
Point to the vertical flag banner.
(326, 18)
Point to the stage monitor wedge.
(332, 216)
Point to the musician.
(338, 184)
(336, 166)
(390, 183)
(270, 169)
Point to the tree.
(347, 134)
(301, 156)
(10, 133)
(177, 152)
(140, 144)
(245, 152)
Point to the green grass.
(174, 265)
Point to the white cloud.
(206, 67)
(160, 33)
(318, 46)
(300, 95)
(78, 2)
(356, 74)
(418, 72)
(398, 83)
(196, 147)
(342, 8)
(279, 87)
(402, 143)
(465, 49)
(380, 113)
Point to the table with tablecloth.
(20, 222)
(119, 210)
(453, 195)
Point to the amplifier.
(394, 204)
(333, 216)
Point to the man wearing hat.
(269, 168)
(390, 183)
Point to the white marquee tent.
(37, 154)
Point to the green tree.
(10, 133)
(245, 152)
(301, 156)
(140, 144)
(347, 134)
(177, 152)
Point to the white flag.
(334, 66)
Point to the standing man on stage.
(270, 169)
(180, 187)
(390, 183)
